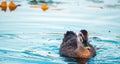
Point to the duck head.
(84, 35)
(68, 35)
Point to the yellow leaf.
(3, 6)
(44, 7)
(12, 6)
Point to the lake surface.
(29, 35)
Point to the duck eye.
(80, 35)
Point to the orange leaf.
(12, 6)
(3, 6)
(44, 7)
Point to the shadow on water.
(96, 1)
(37, 2)
(9, 36)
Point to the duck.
(76, 45)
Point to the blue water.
(32, 36)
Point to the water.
(32, 36)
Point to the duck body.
(72, 47)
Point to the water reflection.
(36, 2)
(113, 6)
(118, 1)
(96, 1)
(33, 2)
(43, 1)
(103, 4)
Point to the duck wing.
(68, 47)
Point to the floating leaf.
(3, 6)
(44, 7)
(12, 6)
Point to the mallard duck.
(76, 46)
